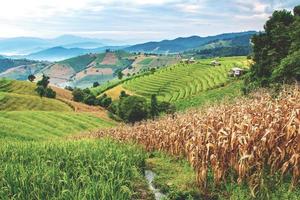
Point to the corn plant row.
(246, 140)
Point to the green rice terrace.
(26, 116)
(183, 81)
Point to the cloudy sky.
(134, 20)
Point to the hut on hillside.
(236, 72)
(215, 63)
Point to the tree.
(31, 77)
(96, 84)
(166, 107)
(297, 11)
(42, 88)
(133, 109)
(154, 111)
(120, 75)
(50, 93)
(90, 100)
(123, 94)
(289, 69)
(270, 48)
(106, 102)
(78, 95)
(44, 82)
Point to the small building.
(188, 61)
(215, 63)
(236, 72)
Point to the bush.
(166, 107)
(132, 109)
(90, 100)
(78, 95)
(49, 93)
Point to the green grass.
(18, 87)
(174, 177)
(42, 125)
(19, 102)
(177, 179)
(228, 92)
(102, 170)
(21, 96)
(183, 81)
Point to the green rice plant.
(84, 169)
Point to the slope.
(183, 81)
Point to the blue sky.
(134, 20)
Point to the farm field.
(71, 170)
(247, 149)
(183, 81)
(26, 116)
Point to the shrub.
(133, 109)
(78, 95)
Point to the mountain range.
(183, 44)
(68, 46)
(28, 45)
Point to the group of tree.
(42, 88)
(276, 51)
(131, 109)
(87, 97)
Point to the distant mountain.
(183, 44)
(28, 45)
(62, 53)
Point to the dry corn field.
(252, 138)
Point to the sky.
(134, 20)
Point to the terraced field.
(183, 81)
(22, 102)
(41, 125)
(26, 116)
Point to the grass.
(102, 169)
(41, 125)
(18, 87)
(175, 177)
(183, 81)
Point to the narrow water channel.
(150, 175)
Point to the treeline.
(276, 51)
(224, 51)
(127, 108)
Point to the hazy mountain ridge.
(183, 44)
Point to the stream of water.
(150, 175)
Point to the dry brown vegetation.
(67, 97)
(241, 142)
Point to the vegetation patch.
(174, 176)
(41, 125)
(70, 170)
(227, 92)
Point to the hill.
(82, 71)
(6, 63)
(28, 45)
(42, 118)
(60, 53)
(183, 81)
(184, 44)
